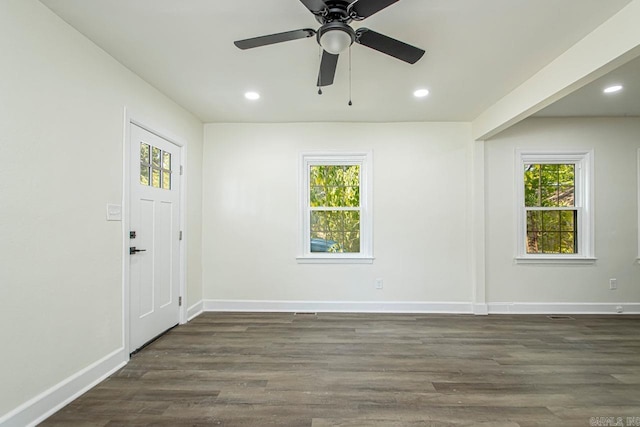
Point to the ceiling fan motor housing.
(335, 11)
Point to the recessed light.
(613, 89)
(252, 96)
(421, 93)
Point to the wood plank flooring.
(277, 369)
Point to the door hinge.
(180, 235)
(179, 301)
(181, 170)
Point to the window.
(555, 205)
(335, 213)
(155, 167)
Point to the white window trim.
(365, 160)
(584, 200)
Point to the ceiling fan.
(335, 35)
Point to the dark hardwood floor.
(240, 369)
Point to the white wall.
(615, 143)
(420, 205)
(62, 103)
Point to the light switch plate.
(114, 212)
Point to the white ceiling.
(590, 101)
(477, 52)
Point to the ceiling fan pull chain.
(320, 72)
(350, 103)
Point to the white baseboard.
(562, 308)
(337, 306)
(195, 310)
(413, 307)
(50, 401)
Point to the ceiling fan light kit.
(335, 35)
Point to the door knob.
(133, 250)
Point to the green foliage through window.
(552, 219)
(155, 167)
(334, 199)
(549, 185)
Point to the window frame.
(583, 201)
(362, 159)
(149, 166)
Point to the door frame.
(150, 126)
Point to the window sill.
(555, 260)
(334, 260)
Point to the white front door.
(154, 239)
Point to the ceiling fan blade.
(317, 7)
(366, 8)
(387, 45)
(275, 38)
(328, 66)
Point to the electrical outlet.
(378, 283)
(613, 284)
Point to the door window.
(155, 167)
